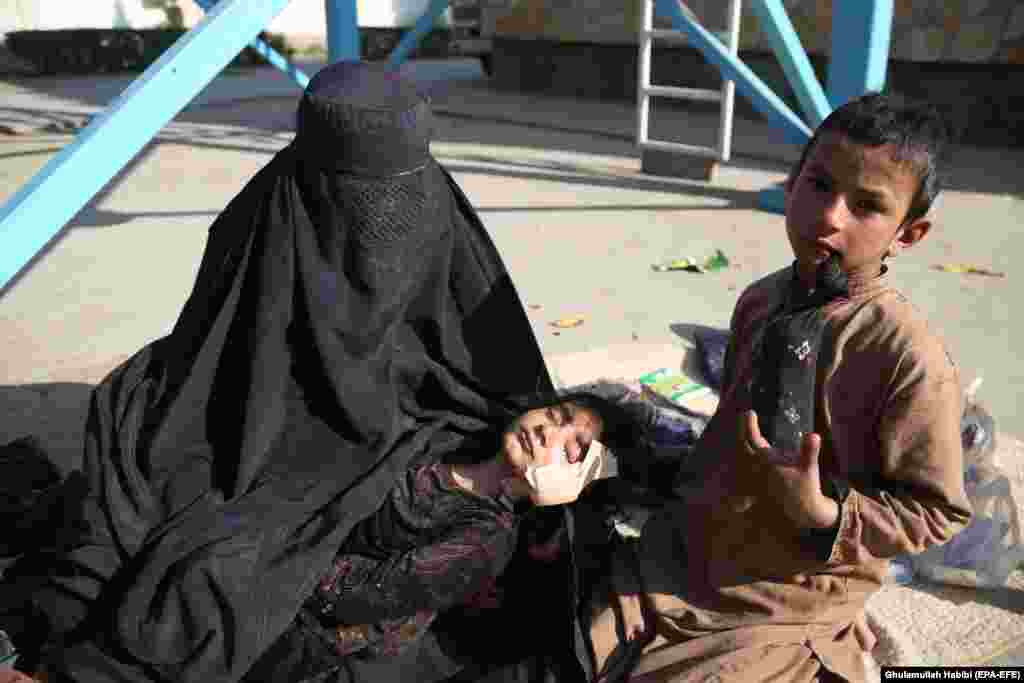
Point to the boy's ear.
(909, 235)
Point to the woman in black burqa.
(350, 319)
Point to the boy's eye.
(869, 206)
(819, 184)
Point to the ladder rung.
(680, 148)
(667, 34)
(698, 94)
(673, 36)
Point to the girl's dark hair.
(622, 428)
(917, 131)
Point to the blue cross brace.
(412, 38)
(342, 30)
(776, 26)
(39, 210)
(732, 68)
(861, 36)
(273, 57)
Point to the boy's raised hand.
(795, 474)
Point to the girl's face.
(536, 436)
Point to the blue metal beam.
(279, 61)
(785, 42)
(861, 33)
(273, 57)
(773, 199)
(732, 68)
(412, 38)
(38, 211)
(342, 30)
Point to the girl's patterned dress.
(431, 547)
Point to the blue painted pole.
(785, 42)
(861, 34)
(342, 30)
(412, 37)
(279, 61)
(39, 210)
(273, 57)
(732, 68)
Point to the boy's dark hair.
(916, 129)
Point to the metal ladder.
(726, 95)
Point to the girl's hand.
(14, 676)
(631, 608)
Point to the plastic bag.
(991, 547)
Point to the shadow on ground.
(53, 412)
(262, 100)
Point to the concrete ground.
(556, 181)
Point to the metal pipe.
(280, 62)
(273, 57)
(697, 94)
(412, 37)
(728, 96)
(732, 68)
(861, 36)
(643, 79)
(37, 213)
(342, 30)
(776, 26)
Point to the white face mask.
(562, 482)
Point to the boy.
(762, 570)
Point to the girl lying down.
(442, 537)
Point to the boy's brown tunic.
(740, 594)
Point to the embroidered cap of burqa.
(350, 317)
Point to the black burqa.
(350, 317)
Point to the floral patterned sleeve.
(446, 573)
(431, 547)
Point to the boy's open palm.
(794, 475)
